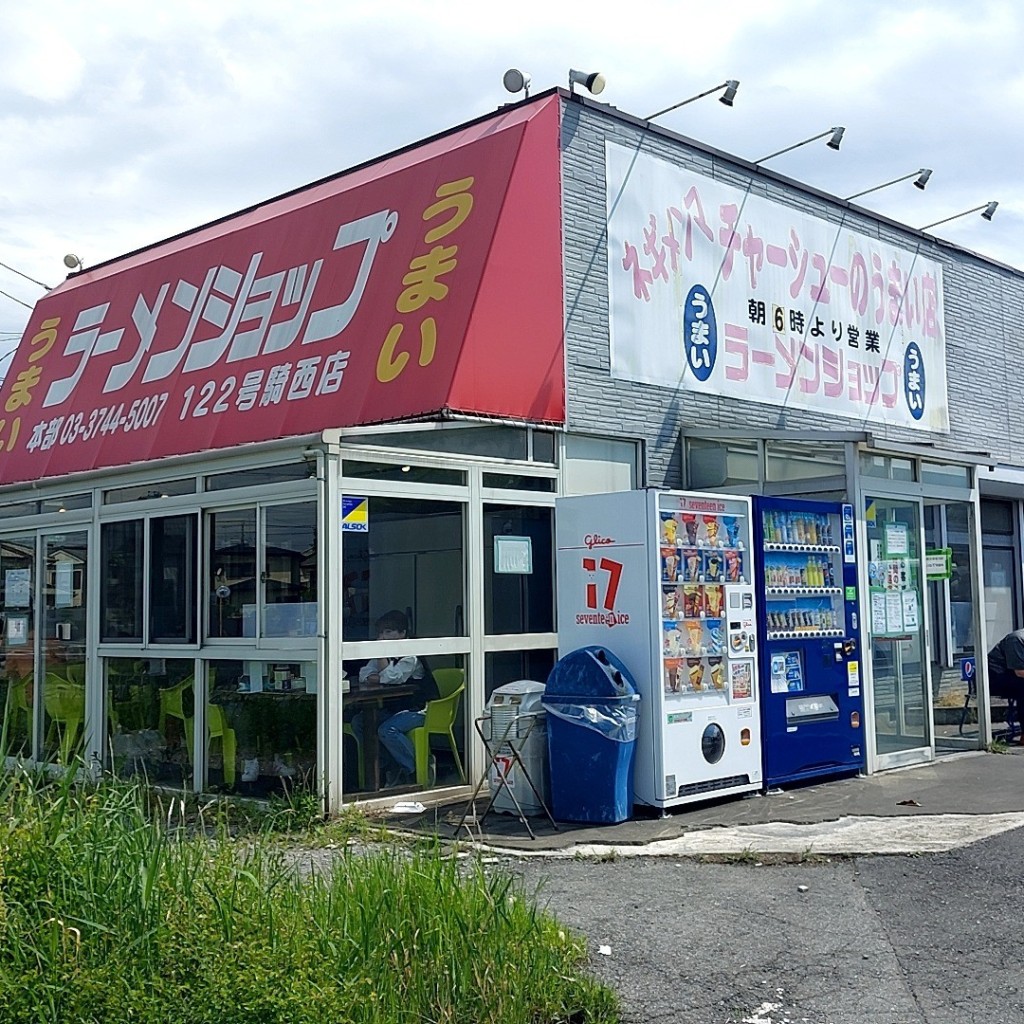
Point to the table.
(369, 698)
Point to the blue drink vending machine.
(812, 711)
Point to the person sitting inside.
(393, 625)
(1006, 670)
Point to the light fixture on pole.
(593, 81)
(727, 98)
(920, 177)
(517, 81)
(835, 139)
(987, 210)
(73, 262)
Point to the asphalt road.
(924, 939)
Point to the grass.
(114, 907)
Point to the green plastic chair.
(348, 730)
(172, 705)
(448, 680)
(217, 728)
(172, 700)
(439, 721)
(64, 702)
(19, 703)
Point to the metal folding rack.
(504, 754)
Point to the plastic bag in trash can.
(614, 719)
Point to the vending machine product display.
(811, 704)
(664, 579)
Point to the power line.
(7, 295)
(27, 278)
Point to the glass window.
(544, 448)
(518, 482)
(388, 741)
(46, 505)
(151, 718)
(502, 667)
(122, 560)
(63, 625)
(518, 578)
(146, 492)
(17, 641)
(411, 559)
(261, 727)
(803, 460)
(407, 474)
(65, 504)
(232, 573)
(597, 465)
(289, 570)
(999, 567)
(262, 476)
(172, 579)
(886, 467)
(24, 508)
(711, 464)
(997, 518)
(949, 476)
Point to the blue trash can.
(591, 701)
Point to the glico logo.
(595, 540)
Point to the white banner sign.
(716, 290)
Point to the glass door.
(63, 644)
(953, 603)
(896, 632)
(17, 645)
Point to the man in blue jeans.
(1006, 672)
(393, 625)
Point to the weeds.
(119, 905)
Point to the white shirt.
(390, 671)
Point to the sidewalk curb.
(848, 836)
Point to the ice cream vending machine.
(663, 579)
(811, 705)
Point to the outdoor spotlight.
(593, 81)
(730, 92)
(72, 262)
(730, 86)
(515, 80)
(987, 211)
(923, 174)
(836, 137)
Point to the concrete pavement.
(950, 803)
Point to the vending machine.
(811, 704)
(663, 579)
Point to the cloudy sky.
(123, 123)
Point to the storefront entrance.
(924, 626)
(895, 631)
(951, 573)
(925, 609)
